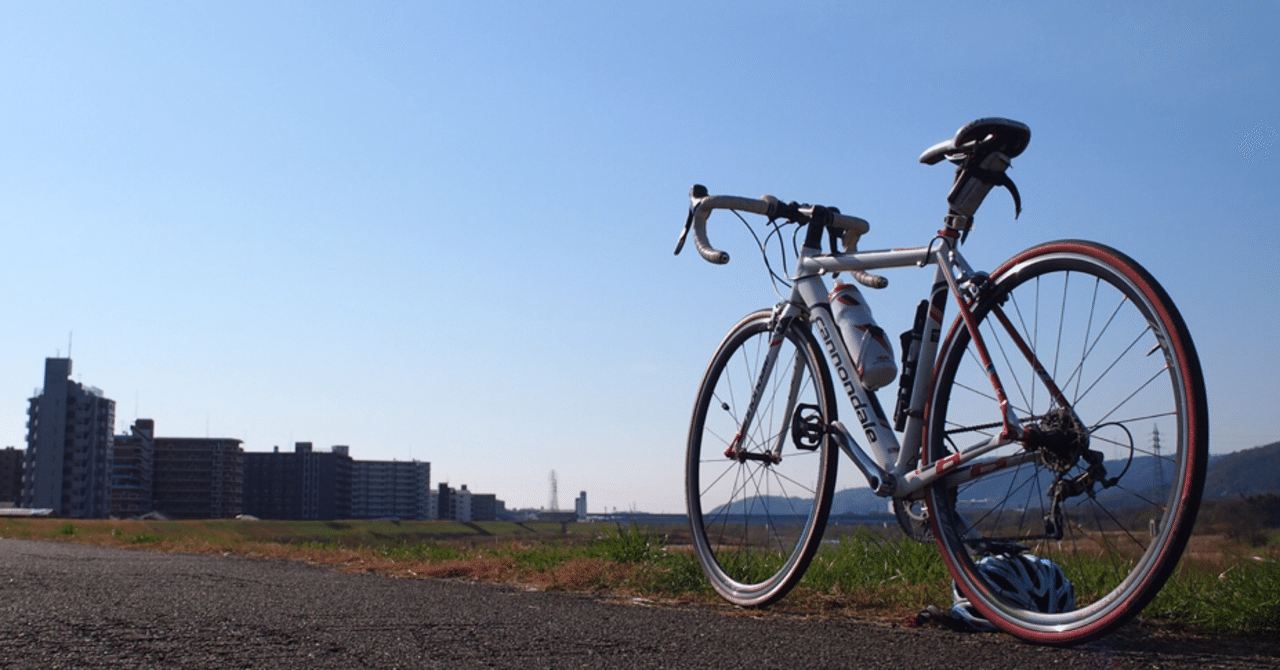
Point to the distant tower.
(1154, 523)
(554, 503)
(1155, 451)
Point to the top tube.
(865, 260)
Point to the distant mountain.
(858, 502)
(775, 506)
(1247, 472)
(861, 501)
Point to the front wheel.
(1107, 482)
(758, 495)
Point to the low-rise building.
(462, 505)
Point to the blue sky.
(443, 231)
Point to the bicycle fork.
(783, 314)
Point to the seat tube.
(913, 437)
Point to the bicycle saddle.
(987, 135)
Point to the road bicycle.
(1062, 414)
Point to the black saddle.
(983, 136)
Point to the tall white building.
(69, 446)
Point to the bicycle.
(1021, 425)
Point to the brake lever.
(696, 193)
(688, 223)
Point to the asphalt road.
(71, 606)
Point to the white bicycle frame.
(891, 467)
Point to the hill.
(1243, 473)
(1247, 472)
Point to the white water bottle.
(872, 353)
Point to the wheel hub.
(740, 454)
(1060, 438)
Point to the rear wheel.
(1109, 486)
(758, 496)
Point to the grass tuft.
(631, 545)
(1241, 597)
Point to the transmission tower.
(554, 503)
(1154, 523)
(1155, 450)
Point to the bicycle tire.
(1121, 542)
(756, 524)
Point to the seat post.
(972, 184)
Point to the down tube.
(881, 440)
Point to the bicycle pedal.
(807, 427)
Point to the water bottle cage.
(910, 341)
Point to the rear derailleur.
(1062, 444)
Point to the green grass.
(1227, 587)
(1244, 597)
(897, 570)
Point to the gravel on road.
(74, 606)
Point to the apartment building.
(176, 477)
(133, 471)
(392, 489)
(198, 477)
(304, 484)
(68, 461)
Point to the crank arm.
(880, 481)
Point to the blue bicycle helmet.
(1024, 581)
